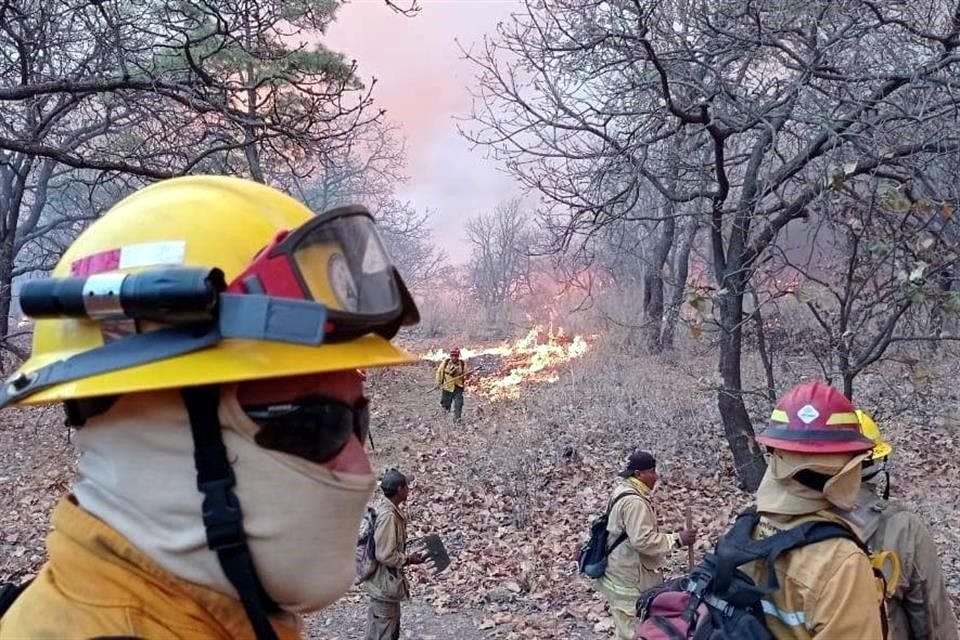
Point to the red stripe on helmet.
(96, 263)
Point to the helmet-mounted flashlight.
(171, 295)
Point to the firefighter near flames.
(451, 376)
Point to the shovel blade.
(436, 553)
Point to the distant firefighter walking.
(451, 376)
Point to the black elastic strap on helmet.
(222, 516)
(812, 479)
(872, 469)
(245, 317)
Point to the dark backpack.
(593, 554)
(366, 547)
(718, 601)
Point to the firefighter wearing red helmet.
(827, 589)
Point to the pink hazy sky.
(422, 82)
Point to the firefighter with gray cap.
(388, 585)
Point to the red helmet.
(455, 352)
(815, 418)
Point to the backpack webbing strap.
(668, 629)
(739, 547)
(9, 592)
(222, 516)
(616, 543)
(623, 536)
(370, 517)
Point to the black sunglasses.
(313, 428)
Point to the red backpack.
(718, 601)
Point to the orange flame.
(531, 358)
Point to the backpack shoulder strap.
(9, 592)
(810, 532)
(819, 530)
(739, 547)
(621, 497)
(623, 535)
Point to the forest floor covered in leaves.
(511, 490)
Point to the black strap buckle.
(222, 516)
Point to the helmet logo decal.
(146, 254)
(808, 413)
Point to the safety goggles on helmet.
(315, 429)
(338, 259)
(329, 280)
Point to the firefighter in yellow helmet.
(826, 589)
(451, 376)
(920, 607)
(205, 337)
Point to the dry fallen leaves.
(512, 489)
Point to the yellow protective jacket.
(827, 589)
(388, 582)
(920, 608)
(95, 583)
(450, 374)
(633, 567)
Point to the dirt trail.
(346, 619)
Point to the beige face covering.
(779, 492)
(137, 474)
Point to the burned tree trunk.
(653, 306)
(737, 427)
(681, 269)
(14, 179)
(766, 358)
(6, 283)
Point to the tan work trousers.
(624, 619)
(383, 620)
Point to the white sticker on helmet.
(808, 413)
(152, 254)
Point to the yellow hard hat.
(869, 428)
(244, 229)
